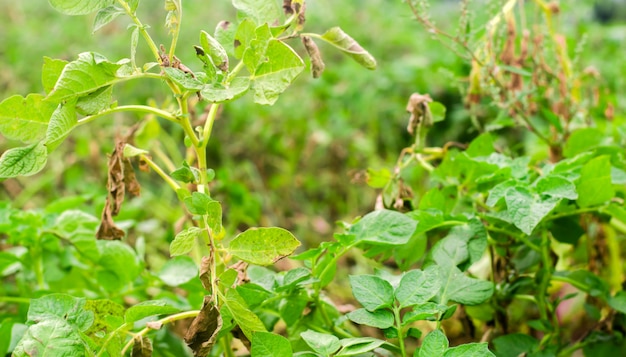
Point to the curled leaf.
(336, 37)
(142, 347)
(317, 64)
(202, 333)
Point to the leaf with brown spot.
(108, 230)
(205, 272)
(202, 333)
(341, 40)
(142, 347)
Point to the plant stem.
(14, 300)
(543, 302)
(571, 213)
(176, 31)
(173, 184)
(163, 321)
(129, 108)
(396, 313)
(142, 29)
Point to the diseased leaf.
(243, 36)
(273, 76)
(51, 337)
(184, 241)
(372, 292)
(217, 93)
(214, 50)
(263, 246)
(435, 344)
(25, 119)
(23, 161)
(266, 344)
(595, 186)
(384, 227)
(225, 35)
(184, 79)
(336, 37)
(142, 347)
(63, 306)
(79, 7)
(317, 64)
(202, 334)
(381, 319)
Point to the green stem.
(226, 343)
(571, 213)
(176, 31)
(542, 297)
(142, 29)
(14, 300)
(129, 108)
(234, 72)
(109, 338)
(163, 321)
(173, 184)
(208, 125)
(396, 313)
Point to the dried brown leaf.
(142, 347)
(108, 230)
(418, 108)
(202, 333)
(317, 64)
(205, 272)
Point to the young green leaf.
(463, 289)
(426, 311)
(470, 349)
(417, 287)
(372, 292)
(80, 7)
(186, 173)
(225, 35)
(261, 11)
(384, 227)
(273, 76)
(266, 344)
(556, 186)
(247, 321)
(146, 309)
(198, 203)
(178, 271)
(90, 72)
(381, 319)
(50, 73)
(263, 246)
(435, 344)
(321, 343)
(184, 241)
(336, 37)
(62, 122)
(25, 119)
(357, 346)
(105, 16)
(527, 210)
(23, 161)
(595, 186)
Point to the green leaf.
(321, 343)
(79, 7)
(186, 173)
(95, 102)
(225, 35)
(146, 309)
(336, 37)
(214, 217)
(183, 79)
(243, 36)
(438, 111)
(372, 292)
(62, 122)
(214, 50)
(131, 151)
(381, 319)
(79, 228)
(378, 178)
(217, 93)
(595, 186)
(261, 11)
(273, 76)
(66, 307)
(463, 289)
(23, 161)
(263, 246)
(198, 203)
(357, 346)
(417, 287)
(556, 186)
(266, 344)
(178, 271)
(384, 227)
(435, 344)
(618, 302)
(184, 241)
(422, 312)
(582, 140)
(247, 321)
(481, 146)
(526, 210)
(498, 191)
(105, 16)
(514, 345)
(50, 73)
(25, 119)
(51, 337)
(120, 260)
(254, 54)
(470, 350)
(90, 72)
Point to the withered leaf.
(115, 180)
(142, 347)
(108, 230)
(202, 333)
(317, 64)
(130, 180)
(420, 113)
(205, 272)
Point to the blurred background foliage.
(299, 164)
